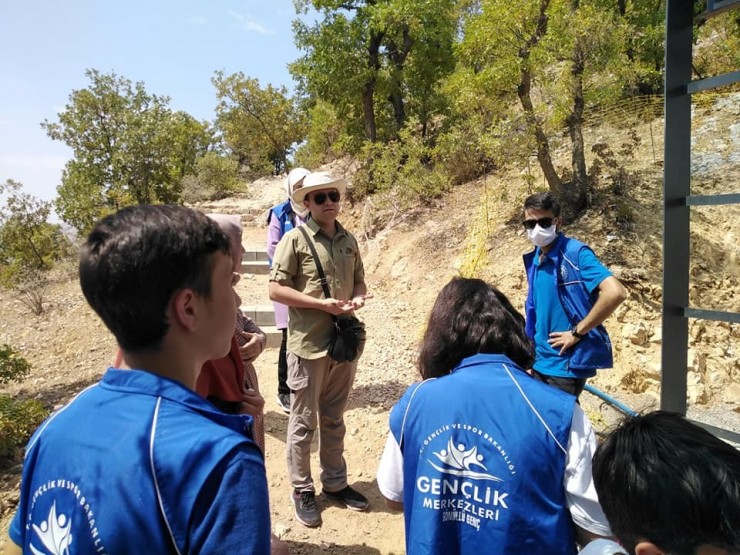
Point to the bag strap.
(322, 276)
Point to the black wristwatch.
(574, 332)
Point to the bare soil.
(408, 258)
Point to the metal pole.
(676, 187)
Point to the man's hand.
(563, 340)
(252, 348)
(359, 300)
(336, 307)
(252, 403)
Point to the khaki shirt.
(309, 330)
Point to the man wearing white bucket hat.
(319, 384)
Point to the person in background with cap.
(281, 219)
(319, 385)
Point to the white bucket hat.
(319, 181)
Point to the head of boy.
(669, 487)
(158, 273)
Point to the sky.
(172, 46)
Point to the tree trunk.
(368, 109)
(368, 92)
(575, 129)
(577, 194)
(524, 91)
(398, 59)
(543, 146)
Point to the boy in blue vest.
(570, 295)
(139, 463)
(669, 487)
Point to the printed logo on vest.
(563, 272)
(458, 462)
(466, 475)
(55, 533)
(60, 515)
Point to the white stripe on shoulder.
(57, 413)
(154, 473)
(534, 410)
(403, 424)
(569, 261)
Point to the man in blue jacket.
(570, 295)
(139, 463)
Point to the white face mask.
(542, 237)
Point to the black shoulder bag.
(348, 336)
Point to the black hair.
(543, 201)
(135, 260)
(662, 479)
(470, 317)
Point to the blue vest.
(140, 464)
(594, 351)
(483, 470)
(284, 214)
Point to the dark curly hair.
(470, 317)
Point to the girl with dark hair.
(481, 457)
(472, 317)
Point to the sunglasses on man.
(542, 222)
(320, 198)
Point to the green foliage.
(259, 125)
(128, 148)
(644, 44)
(326, 140)
(550, 59)
(401, 167)
(215, 177)
(718, 50)
(461, 153)
(29, 244)
(18, 420)
(13, 367)
(377, 62)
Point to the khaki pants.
(319, 392)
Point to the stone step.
(274, 336)
(252, 256)
(260, 267)
(263, 315)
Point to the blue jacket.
(140, 464)
(284, 214)
(484, 456)
(594, 351)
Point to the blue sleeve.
(15, 530)
(232, 511)
(593, 271)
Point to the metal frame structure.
(678, 200)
